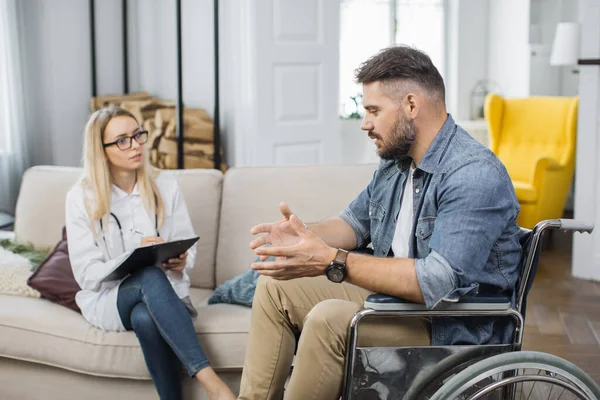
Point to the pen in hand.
(148, 240)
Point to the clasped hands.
(298, 252)
(174, 264)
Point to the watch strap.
(341, 257)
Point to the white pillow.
(14, 272)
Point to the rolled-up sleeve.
(436, 278)
(475, 206)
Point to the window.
(420, 23)
(367, 26)
(4, 100)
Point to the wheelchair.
(492, 372)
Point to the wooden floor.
(563, 313)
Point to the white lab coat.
(92, 257)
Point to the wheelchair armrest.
(383, 302)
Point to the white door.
(586, 248)
(296, 88)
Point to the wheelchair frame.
(531, 241)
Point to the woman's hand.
(148, 240)
(176, 264)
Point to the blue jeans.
(149, 306)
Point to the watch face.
(335, 274)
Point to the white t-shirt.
(405, 218)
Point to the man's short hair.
(400, 64)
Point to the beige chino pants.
(321, 311)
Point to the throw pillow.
(14, 272)
(238, 290)
(54, 277)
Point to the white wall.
(155, 66)
(547, 79)
(58, 73)
(508, 46)
(467, 32)
(569, 81)
(237, 25)
(490, 39)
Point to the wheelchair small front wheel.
(520, 375)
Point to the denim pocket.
(376, 215)
(423, 232)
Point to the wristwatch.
(336, 271)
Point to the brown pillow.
(54, 277)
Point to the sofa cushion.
(201, 189)
(40, 331)
(251, 195)
(42, 201)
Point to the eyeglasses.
(124, 143)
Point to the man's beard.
(402, 136)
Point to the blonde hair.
(96, 179)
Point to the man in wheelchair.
(440, 213)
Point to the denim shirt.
(464, 238)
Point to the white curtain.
(14, 154)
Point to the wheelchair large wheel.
(430, 379)
(520, 375)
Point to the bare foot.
(214, 386)
(222, 394)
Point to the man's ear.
(411, 105)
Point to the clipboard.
(150, 255)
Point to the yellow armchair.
(535, 139)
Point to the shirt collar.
(433, 156)
(118, 193)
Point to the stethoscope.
(121, 231)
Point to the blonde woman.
(119, 205)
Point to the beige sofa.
(50, 352)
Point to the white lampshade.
(565, 49)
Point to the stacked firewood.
(159, 118)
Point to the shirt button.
(417, 190)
